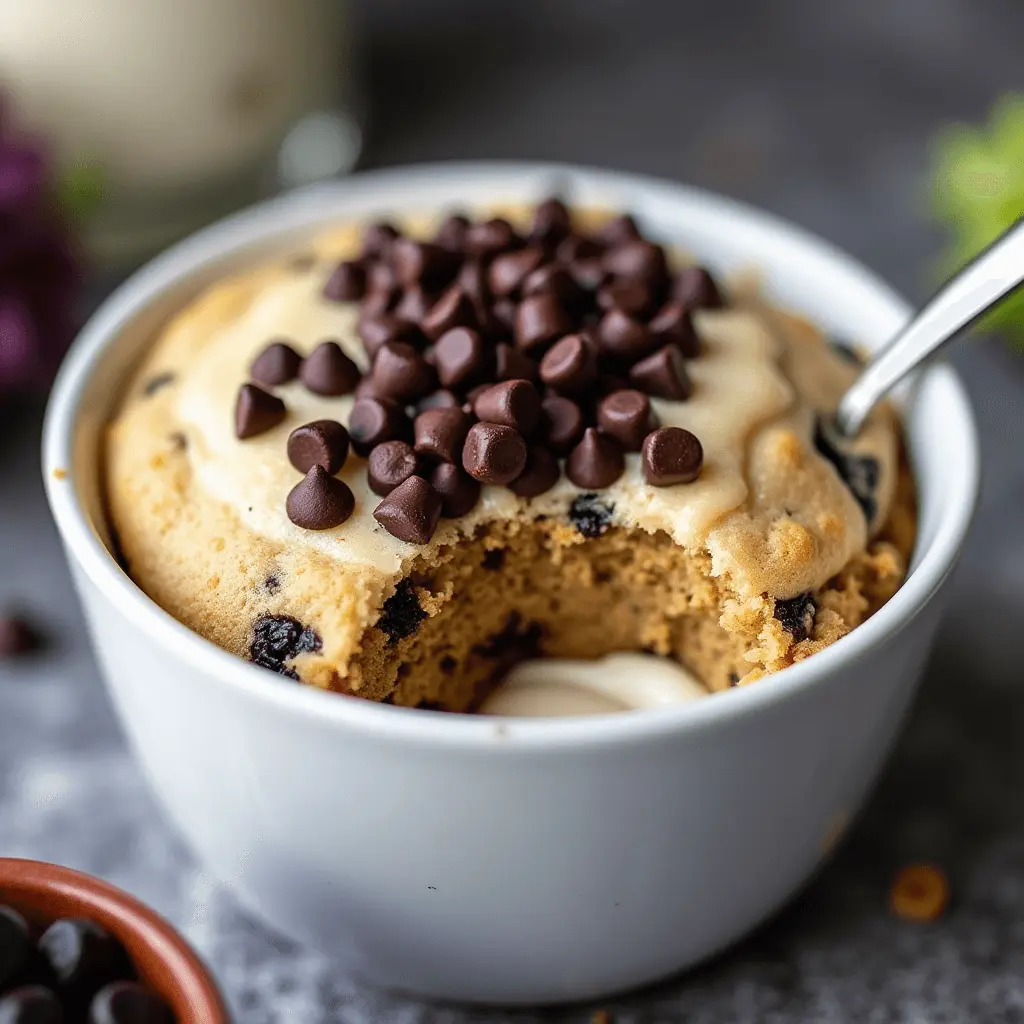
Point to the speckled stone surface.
(820, 112)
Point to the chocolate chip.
(622, 337)
(158, 382)
(411, 511)
(663, 375)
(401, 615)
(540, 319)
(378, 238)
(620, 230)
(373, 421)
(577, 247)
(494, 453)
(569, 365)
(414, 305)
(347, 282)
(381, 279)
(390, 463)
(277, 364)
(15, 945)
(82, 956)
(378, 301)
(512, 403)
(459, 492)
(859, 472)
(440, 399)
(596, 462)
(504, 313)
(551, 222)
(643, 260)
(459, 357)
(540, 475)
(451, 235)
(420, 262)
(320, 443)
(674, 325)
(328, 371)
(563, 424)
(376, 331)
(472, 280)
(517, 641)
(627, 416)
(320, 501)
(511, 364)
(453, 309)
(490, 236)
(400, 372)
(589, 274)
(31, 1004)
(552, 280)
(440, 433)
(671, 455)
(18, 637)
(796, 615)
(634, 298)
(277, 639)
(256, 411)
(508, 271)
(127, 1002)
(590, 515)
(695, 288)
(272, 584)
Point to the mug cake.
(398, 462)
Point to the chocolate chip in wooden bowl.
(569, 365)
(440, 434)
(494, 453)
(128, 1002)
(511, 364)
(401, 372)
(327, 370)
(277, 364)
(319, 443)
(82, 957)
(320, 501)
(663, 375)
(672, 324)
(627, 416)
(540, 474)
(562, 424)
(458, 490)
(695, 288)
(796, 615)
(347, 282)
(508, 271)
(460, 357)
(539, 320)
(671, 455)
(16, 948)
(512, 403)
(596, 462)
(411, 511)
(278, 639)
(256, 411)
(31, 1004)
(623, 337)
(373, 421)
(390, 464)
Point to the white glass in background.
(183, 109)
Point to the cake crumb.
(920, 892)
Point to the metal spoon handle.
(980, 285)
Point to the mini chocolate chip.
(508, 271)
(540, 319)
(453, 309)
(663, 375)
(158, 382)
(401, 613)
(578, 247)
(347, 282)
(634, 298)
(320, 501)
(328, 371)
(401, 372)
(272, 584)
(82, 956)
(596, 462)
(552, 280)
(15, 945)
(440, 433)
(416, 302)
(627, 416)
(256, 411)
(451, 235)
(569, 365)
(18, 636)
(375, 331)
(551, 222)
(411, 511)
(277, 364)
(563, 424)
(671, 455)
(622, 337)
(459, 491)
(320, 443)
(511, 364)
(674, 325)
(590, 515)
(540, 475)
(494, 453)
(31, 1004)
(796, 615)
(378, 238)
(459, 357)
(277, 639)
(695, 288)
(859, 472)
(494, 559)
(490, 236)
(619, 230)
(127, 1002)
(440, 399)
(513, 403)
(390, 463)
(373, 421)
(643, 260)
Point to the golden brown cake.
(567, 442)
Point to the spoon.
(989, 277)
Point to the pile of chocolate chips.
(73, 972)
(494, 356)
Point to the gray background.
(822, 112)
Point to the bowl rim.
(276, 217)
(121, 913)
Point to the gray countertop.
(821, 112)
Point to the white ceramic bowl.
(509, 861)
